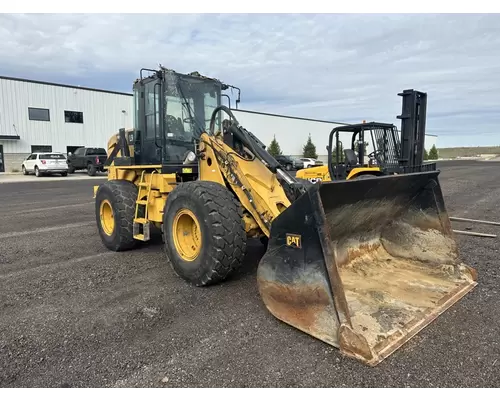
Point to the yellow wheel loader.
(362, 265)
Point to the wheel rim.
(107, 217)
(187, 235)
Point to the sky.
(337, 67)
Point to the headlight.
(190, 157)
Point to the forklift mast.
(413, 117)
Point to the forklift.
(391, 155)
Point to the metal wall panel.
(292, 132)
(103, 114)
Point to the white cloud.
(337, 67)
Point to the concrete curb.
(6, 177)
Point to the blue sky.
(327, 66)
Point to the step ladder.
(141, 223)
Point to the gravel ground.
(76, 315)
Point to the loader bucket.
(364, 265)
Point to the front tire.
(204, 232)
(114, 212)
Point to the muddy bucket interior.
(364, 265)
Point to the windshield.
(189, 103)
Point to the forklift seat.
(350, 157)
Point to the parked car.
(90, 158)
(289, 163)
(311, 162)
(45, 163)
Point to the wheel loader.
(362, 265)
(389, 153)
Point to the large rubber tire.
(121, 195)
(219, 216)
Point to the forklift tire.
(114, 212)
(365, 176)
(203, 232)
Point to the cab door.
(148, 103)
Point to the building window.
(73, 116)
(38, 114)
(41, 149)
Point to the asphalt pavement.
(74, 314)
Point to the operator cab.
(384, 142)
(171, 111)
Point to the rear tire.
(204, 232)
(64, 174)
(365, 176)
(91, 169)
(118, 198)
(37, 172)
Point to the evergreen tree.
(341, 154)
(274, 148)
(426, 154)
(433, 153)
(356, 148)
(309, 149)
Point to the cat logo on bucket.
(293, 240)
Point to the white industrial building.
(43, 116)
(292, 132)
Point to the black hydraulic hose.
(242, 135)
(214, 113)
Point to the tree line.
(309, 150)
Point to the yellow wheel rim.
(107, 217)
(187, 235)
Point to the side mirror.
(70, 153)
